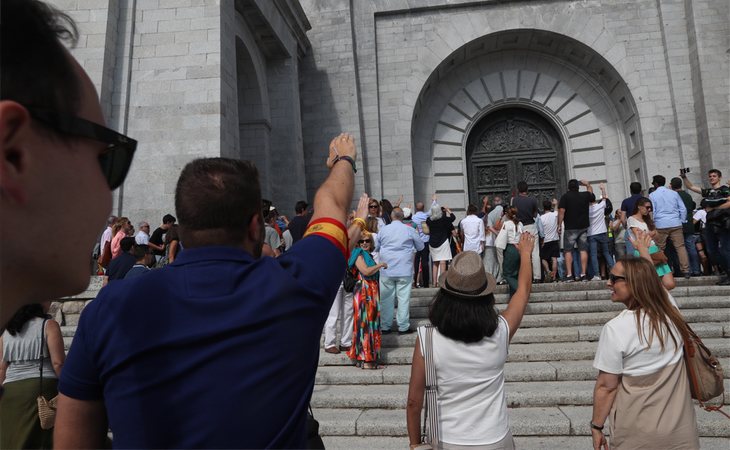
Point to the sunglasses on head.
(363, 241)
(614, 278)
(117, 158)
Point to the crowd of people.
(218, 348)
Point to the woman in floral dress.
(365, 347)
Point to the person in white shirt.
(471, 230)
(493, 225)
(642, 381)
(143, 235)
(550, 247)
(598, 235)
(469, 342)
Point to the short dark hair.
(300, 207)
(37, 71)
(23, 315)
(659, 180)
(463, 320)
(522, 186)
(126, 243)
(717, 171)
(216, 198)
(635, 188)
(573, 185)
(471, 209)
(140, 251)
(547, 205)
(168, 218)
(675, 183)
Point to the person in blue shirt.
(396, 244)
(220, 348)
(669, 215)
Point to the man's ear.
(255, 227)
(15, 134)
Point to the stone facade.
(629, 88)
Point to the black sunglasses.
(117, 158)
(362, 241)
(372, 206)
(614, 278)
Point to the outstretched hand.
(526, 244)
(342, 145)
(641, 240)
(362, 206)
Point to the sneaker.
(386, 331)
(724, 282)
(568, 279)
(583, 277)
(408, 331)
(596, 278)
(333, 350)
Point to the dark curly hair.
(23, 315)
(465, 320)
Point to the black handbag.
(348, 283)
(313, 438)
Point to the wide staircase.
(549, 373)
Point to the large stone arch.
(577, 90)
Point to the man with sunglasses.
(59, 162)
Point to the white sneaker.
(596, 278)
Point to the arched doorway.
(510, 145)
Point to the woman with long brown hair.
(642, 384)
(641, 220)
(120, 230)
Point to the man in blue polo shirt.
(220, 348)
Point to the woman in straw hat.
(470, 341)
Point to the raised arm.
(335, 194)
(518, 303)
(688, 184)
(358, 223)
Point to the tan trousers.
(677, 236)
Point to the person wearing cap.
(470, 343)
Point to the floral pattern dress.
(366, 333)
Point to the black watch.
(596, 427)
(345, 158)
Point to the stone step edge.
(528, 421)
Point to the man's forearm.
(335, 194)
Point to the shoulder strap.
(40, 356)
(431, 391)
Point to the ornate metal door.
(513, 145)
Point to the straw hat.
(467, 278)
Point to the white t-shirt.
(513, 231)
(620, 352)
(700, 215)
(597, 218)
(473, 228)
(142, 238)
(549, 222)
(632, 222)
(470, 377)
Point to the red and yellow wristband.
(330, 229)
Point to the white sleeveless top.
(471, 398)
(22, 352)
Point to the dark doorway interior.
(510, 145)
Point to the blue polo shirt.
(217, 350)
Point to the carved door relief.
(511, 145)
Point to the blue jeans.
(717, 247)
(390, 289)
(594, 241)
(690, 243)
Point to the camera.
(684, 171)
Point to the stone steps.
(521, 442)
(531, 421)
(513, 371)
(552, 351)
(519, 394)
(549, 375)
